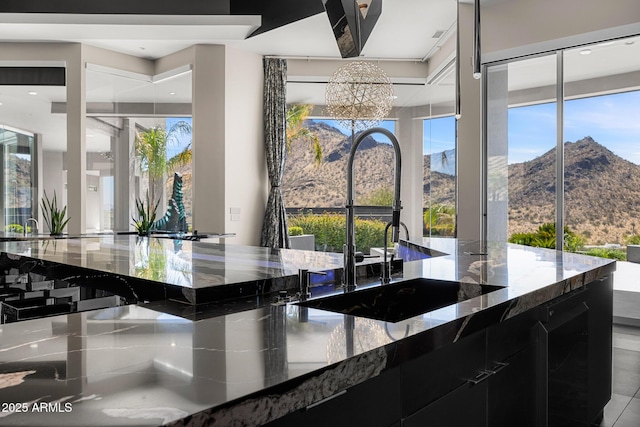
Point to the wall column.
(469, 163)
(122, 147)
(208, 86)
(76, 142)
(410, 137)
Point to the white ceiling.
(404, 32)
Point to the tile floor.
(623, 409)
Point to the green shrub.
(440, 220)
(633, 240)
(295, 231)
(545, 237)
(618, 254)
(330, 231)
(15, 228)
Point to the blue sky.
(611, 120)
(387, 124)
(439, 135)
(184, 141)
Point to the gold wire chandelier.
(359, 95)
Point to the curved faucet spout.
(26, 223)
(349, 278)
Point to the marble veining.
(140, 365)
(188, 271)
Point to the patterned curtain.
(274, 228)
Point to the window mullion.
(559, 151)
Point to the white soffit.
(27, 26)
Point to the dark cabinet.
(511, 391)
(464, 406)
(434, 375)
(375, 402)
(486, 379)
(511, 354)
(546, 367)
(574, 356)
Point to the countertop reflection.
(134, 365)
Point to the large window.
(308, 184)
(439, 156)
(17, 177)
(439, 151)
(594, 154)
(33, 141)
(138, 137)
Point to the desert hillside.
(602, 192)
(308, 185)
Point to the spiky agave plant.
(146, 216)
(54, 217)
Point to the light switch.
(234, 214)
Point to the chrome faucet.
(304, 280)
(349, 276)
(386, 266)
(26, 223)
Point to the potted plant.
(54, 217)
(146, 216)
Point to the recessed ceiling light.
(629, 43)
(585, 52)
(32, 92)
(172, 93)
(0, 103)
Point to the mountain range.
(306, 184)
(602, 190)
(601, 197)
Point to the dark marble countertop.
(134, 365)
(151, 269)
(9, 236)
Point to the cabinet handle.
(326, 399)
(482, 375)
(499, 366)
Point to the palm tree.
(296, 115)
(151, 149)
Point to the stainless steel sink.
(400, 300)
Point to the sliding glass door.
(17, 177)
(562, 137)
(521, 147)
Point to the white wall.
(245, 164)
(209, 133)
(469, 152)
(519, 27)
(229, 166)
(94, 204)
(53, 178)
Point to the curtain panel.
(274, 229)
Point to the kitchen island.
(146, 364)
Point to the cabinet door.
(465, 406)
(511, 391)
(600, 300)
(374, 403)
(511, 355)
(434, 375)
